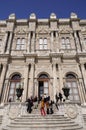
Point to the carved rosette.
(14, 111)
(71, 111)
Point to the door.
(43, 88)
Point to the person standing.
(43, 113)
(57, 99)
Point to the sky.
(42, 8)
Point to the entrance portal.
(43, 88)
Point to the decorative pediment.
(64, 32)
(21, 31)
(42, 31)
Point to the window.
(65, 43)
(72, 84)
(14, 82)
(43, 43)
(20, 44)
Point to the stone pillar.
(5, 42)
(60, 77)
(2, 77)
(81, 92)
(57, 43)
(51, 41)
(33, 43)
(9, 42)
(35, 88)
(51, 89)
(29, 42)
(26, 71)
(83, 73)
(31, 81)
(54, 81)
(82, 41)
(77, 41)
(84, 81)
(5, 91)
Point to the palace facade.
(43, 55)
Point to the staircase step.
(39, 125)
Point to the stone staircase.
(84, 117)
(48, 122)
(35, 121)
(1, 117)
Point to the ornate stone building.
(43, 55)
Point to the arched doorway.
(72, 84)
(43, 85)
(14, 82)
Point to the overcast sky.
(42, 8)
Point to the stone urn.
(19, 91)
(66, 91)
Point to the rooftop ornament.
(73, 15)
(53, 16)
(32, 16)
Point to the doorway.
(43, 83)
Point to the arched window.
(72, 84)
(43, 76)
(14, 83)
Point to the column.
(57, 43)
(5, 91)
(51, 41)
(81, 91)
(29, 42)
(35, 88)
(60, 77)
(33, 43)
(51, 89)
(54, 80)
(2, 77)
(83, 73)
(84, 80)
(31, 81)
(82, 42)
(9, 42)
(77, 41)
(25, 91)
(5, 42)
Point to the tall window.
(14, 82)
(43, 43)
(72, 84)
(20, 44)
(65, 43)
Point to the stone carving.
(14, 111)
(71, 111)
